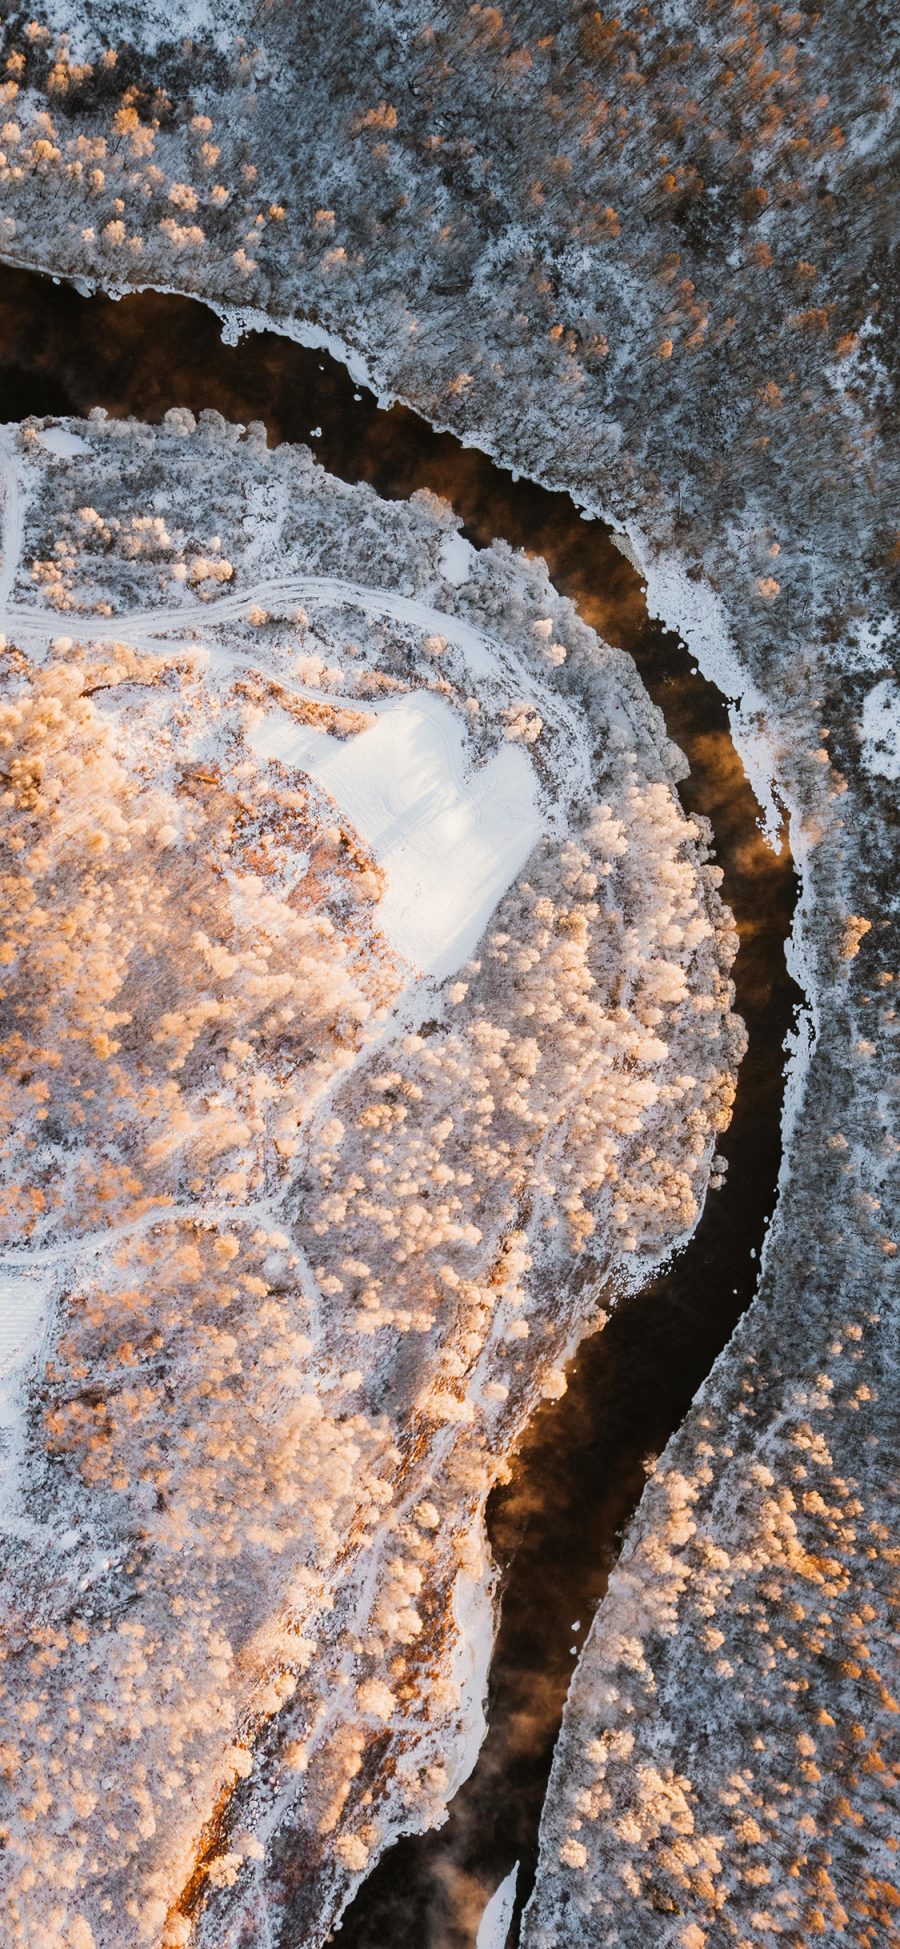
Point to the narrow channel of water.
(556, 1529)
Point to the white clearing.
(451, 840)
(493, 1928)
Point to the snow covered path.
(485, 655)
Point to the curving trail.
(486, 655)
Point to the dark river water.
(556, 1528)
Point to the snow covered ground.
(23, 1319)
(881, 730)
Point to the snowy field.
(450, 839)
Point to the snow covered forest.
(368, 1020)
(319, 1181)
